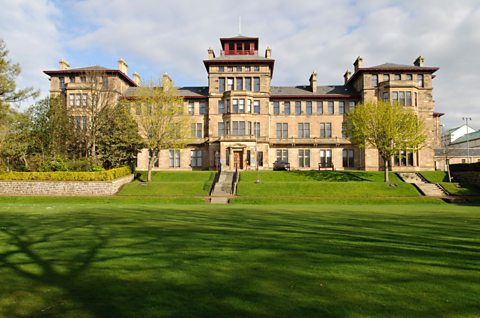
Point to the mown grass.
(146, 260)
(171, 184)
(323, 186)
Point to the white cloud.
(29, 30)
(326, 36)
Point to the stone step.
(219, 200)
(431, 189)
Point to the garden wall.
(63, 188)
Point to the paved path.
(426, 188)
(222, 191)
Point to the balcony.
(397, 84)
(309, 141)
(238, 52)
(246, 138)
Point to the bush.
(465, 167)
(55, 165)
(106, 175)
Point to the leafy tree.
(17, 142)
(8, 89)
(118, 140)
(387, 127)
(53, 134)
(162, 120)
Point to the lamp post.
(256, 158)
(466, 119)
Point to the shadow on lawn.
(158, 262)
(336, 176)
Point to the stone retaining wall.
(469, 177)
(63, 188)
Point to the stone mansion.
(240, 121)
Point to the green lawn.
(180, 185)
(150, 260)
(323, 186)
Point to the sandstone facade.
(241, 121)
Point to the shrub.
(465, 167)
(55, 165)
(105, 175)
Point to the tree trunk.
(24, 158)
(150, 167)
(385, 169)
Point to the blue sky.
(173, 36)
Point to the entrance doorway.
(238, 159)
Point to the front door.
(238, 159)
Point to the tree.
(390, 128)
(15, 147)
(118, 139)
(161, 119)
(8, 89)
(102, 96)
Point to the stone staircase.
(224, 188)
(426, 188)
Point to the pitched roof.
(94, 68)
(470, 136)
(394, 65)
(449, 131)
(90, 68)
(305, 91)
(188, 92)
(458, 152)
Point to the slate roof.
(306, 91)
(458, 152)
(276, 91)
(394, 65)
(192, 92)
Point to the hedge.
(465, 167)
(106, 175)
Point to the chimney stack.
(420, 61)
(268, 53)
(122, 66)
(136, 78)
(358, 63)
(167, 82)
(211, 53)
(313, 82)
(347, 76)
(63, 64)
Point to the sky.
(173, 36)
